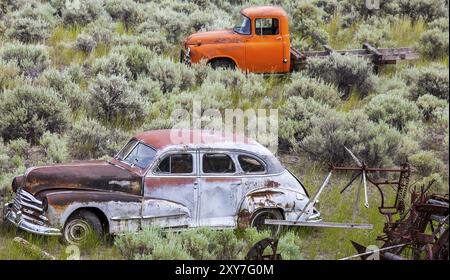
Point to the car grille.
(31, 208)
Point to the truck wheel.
(81, 226)
(258, 218)
(222, 63)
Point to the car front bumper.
(15, 217)
(185, 56)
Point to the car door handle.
(195, 185)
(279, 38)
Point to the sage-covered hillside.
(79, 77)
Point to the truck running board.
(318, 224)
(378, 56)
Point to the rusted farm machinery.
(421, 232)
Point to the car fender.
(285, 199)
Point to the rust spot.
(272, 184)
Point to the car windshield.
(136, 154)
(243, 26)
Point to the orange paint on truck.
(260, 45)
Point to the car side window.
(175, 164)
(267, 26)
(217, 163)
(250, 164)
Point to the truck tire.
(259, 216)
(222, 63)
(80, 226)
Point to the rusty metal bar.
(318, 224)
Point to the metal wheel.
(258, 220)
(81, 226)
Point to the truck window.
(243, 26)
(176, 164)
(266, 26)
(250, 164)
(218, 163)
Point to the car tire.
(80, 226)
(259, 216)
(222, 63)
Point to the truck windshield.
(136, 154)
(243, 26)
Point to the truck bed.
(378, 56)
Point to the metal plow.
(421, 232)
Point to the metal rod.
(318, 224)
(366, 200)
(351, 182)
(373, 251)
(312, 201)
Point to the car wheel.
(81, 226)
(260, 216)
(222, 63)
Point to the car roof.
(264, 11)
(165, 140)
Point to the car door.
(170, 192)
(220, 189)
(264, 50)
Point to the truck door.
(264, 50)
(220, 189)
(170, 193)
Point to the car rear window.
(176, 164)
(250, 164)
(266, 26)
(218, 163)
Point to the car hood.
(83, 175)
(213, 37)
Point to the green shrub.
(81, 12)
(375, 32)
(113, 64)
(112, 99)
(9, 74)
(31, 59)
(430, 106)
(155, 41)
(392, 109)
(307, 20)
(127, 11)
(29, 111)
(295, 120)
(85, 43)
(289, 246)
(148, 88)
(131, 245)
(345, 72)
(426, 9)
(90, 140)
(63, 84)
(306, 87)
(137, 57)
(55, 147)
(433, 44)
(101, 30)
(426, 163)
(432, 80)
(28, 30)
(171, 76)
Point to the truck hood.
(83, 175)
(213, 37)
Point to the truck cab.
(259, 43)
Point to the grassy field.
(65, 61)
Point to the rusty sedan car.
(163, 180)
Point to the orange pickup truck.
(261, 44)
